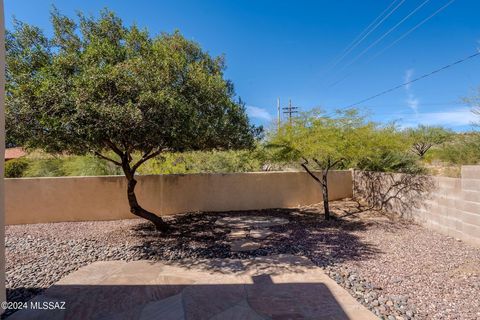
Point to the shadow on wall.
(392, 192)
(262, 299)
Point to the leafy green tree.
(320, 143)
(425, 137)
(102, 88)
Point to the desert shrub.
(50, 167)
(464, 149)
(16, 168)
(88, 166)
(203, 162)
(391, 161)
(423, 138)
(39, 164)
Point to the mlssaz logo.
(47, 305)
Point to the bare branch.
(337, 162)
(329, 164)
(304, 166)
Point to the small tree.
(425, 137)
(102, 88)
(474, 102)
(323, 143)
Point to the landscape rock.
(439, 276)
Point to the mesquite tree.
(97, 86)
(423, 138)
(322, 143)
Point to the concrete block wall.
(450, 205)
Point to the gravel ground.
(397, 269)
(440, 274)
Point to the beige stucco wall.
(450, 205)
(39, 200)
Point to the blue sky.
(286, 49)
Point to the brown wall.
(448, 205)
(39, 200)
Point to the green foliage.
(102, 88)
(51, 167)
(88, 166)
(391, 161)
(348, 136)
(203, 162)
(422, 138)
(70, 166)
(43, 165)
(463, 149)
(15, 168)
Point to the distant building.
(14, 153)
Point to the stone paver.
(250, 222)
(244, 245)
(260, 233)
(244, 227)
(272, 287)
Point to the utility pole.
(290, 110)
(278, 113)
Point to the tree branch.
(114, 147)
(146, 156)
(329, 165)
(336, 162)
(98, 154)
(304, 166)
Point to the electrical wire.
(413, 29)
(366, 32)
(414, 80)
(361, 54)
(397, 40)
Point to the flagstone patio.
(274, 287)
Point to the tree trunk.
(323, 184)
(135, 208)
(326, 207)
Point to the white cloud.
(259, 113)
(408, 77)
(411, 101)
(451, 118)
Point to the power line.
(361, 54)
(449, 103)
(414, 80)
(397, 40)
(413, 29)
(357, 39)
(378, 24)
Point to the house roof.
(14, 153)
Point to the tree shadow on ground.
(373, 217)
(197, 240)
